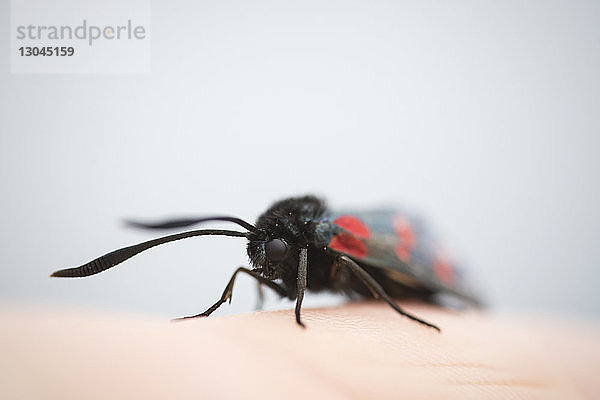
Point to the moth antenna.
(118, 256)
(183, 222)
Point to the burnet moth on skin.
(299, 244)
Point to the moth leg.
(260, 296)
(336, 266)
(301, 283)
(229, 291)
(372, 284)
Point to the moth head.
(276, 250)
(271, 254)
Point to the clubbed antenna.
(118, 256)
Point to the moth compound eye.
(276, 250)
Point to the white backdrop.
(482, 116)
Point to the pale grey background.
(481, 115)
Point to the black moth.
(299, 244)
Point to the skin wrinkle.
(511, 383)
(456, 365)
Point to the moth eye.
(276, 250)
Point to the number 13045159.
(47, 51)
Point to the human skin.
(356, 351)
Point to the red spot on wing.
(406, 238)
(404, 232)
(403, 253)
(443, 270)
(348, 244)
(353, 225)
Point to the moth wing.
(403, 247)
